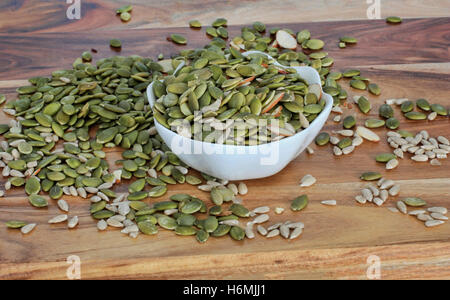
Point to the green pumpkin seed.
(136, 186)
(19, 165)
(115, 43)
(56, 192)
(193, 180)
(167, 222)
(185, 230)
(392, 123)
(370, 176)
(15, 224)
(315, 44)
(178, 39)
(374, 89)
(386, 111)
(349, 122)
(191, 207)
(322, 139)
(407, 106)
(385, 157)
(38, 201)
(423, 104)
(348, 40)
(439, 109)
(98, 206)
(345, 142)
(358, 84)
(157, 191)
(393, 20)
(239, 210)
(364, 105)
(103, 214)
(237, 233)
(147, 227)
(374, 123)
(195, 24)
(414, 201)
(25, 148)
(221, 230)
(414, 115)
(125, 16)
(32, 185)
(202, 236)
(137, 196)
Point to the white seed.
(420, 158)
(374, 190)
(441, 156)
(182, 169)
(357, 141)
(431, 155)
(393, 209)
(230, 222)
(58, 219)
(378, 201)
(111, 208)
(242, 188)
(337, 109)
(296, 233)
(261, 219)
(261, 210)
(392, 164)
(103, 196)
(7, 185)
(432, 116)
(361, 199)
(400, 101)
(274, 226)
(129, 229)
(134, 235)
(123, 208)
(249, 231)
(95, 199)
(15, 153)
(105, 185)
(152, 173)
(15, 173)
(113, 222)
(384, 194)
(303, 120)
(233, 188)
(367, 134)
(205, 187)
(66, 190)
(413, 149)
(91, 190)
(399, 153)
(307, 180)
(437, 209)
(63, 205)
(443, 140)
(102, 225)
(344, 132)
(367, 194)
(273, 233)
(387, 184)
(337, 118)
(295, 225)
(120, 197)
(348, 150)
(128, 223)
(402, 207)
(439, 216)
(337, 151)
(334, 140)
(169, 212)
(237, 200)
(28, 228)
(329, 202)
(72, 222)
(82, 192)
(416, 212)
(73, 191)
(279, 210)
(433, 223)
(308, 149)
(2, 193)
(394, 190)
(261, 230)
(284, 231)
(5, 172)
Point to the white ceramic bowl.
(245, 162)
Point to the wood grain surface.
(410, 60)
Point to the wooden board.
(410, 60)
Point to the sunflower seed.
(102, 225)
(416, 212)
(261, 219)
(58, 219)
(387, 184)
(307, 180)
(436, 209)
(384, 194)
(274, 226)
(63, 205)
(72, 222)
(242, 188)
(28, 228)
(113, 222)
(279, 210)
(367, 194)
(329, 202)
(205, 187)
(273, 233)
(424, 217)
(249, 231)
(230, 222)
(439, 216)
(378, 201)
(261, 210)
(391, 164)
(284, 231)
(361, 199)
(261, 230)
(394, 190)
(432, 223)
(337, 151)
(393, 209)
(398, 152)
(402, 207)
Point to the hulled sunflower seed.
(279, 210)
(438, 216)
(63, 205)
(329, 202)
(261, 219)
(261, 210)
(296, 233)
(394, 190)
(416, 212)
(261, 230)
(402, 207)
(391, 164)
(102, 225)
(242, 188)
(273, 233)
(72, 222)
(284, 231)
(58, 219)
(28, 228)
(249, 231)
(361, 199)
(436, 209)
(393, 209)
(424, 217)
(307, 180)
(432, 223)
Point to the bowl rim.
(329, 102)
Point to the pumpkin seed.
(370, 176)
(414, 201)
(393, 20)
(237, 233)
(439, 109)
(414, 115)
(374, 89)
(299, 203)
(178, 39)
(374, 123)
(364, 105)
(32, 185)
(392, 123)
(195, 24)
(115, 43)
(38, 201)
(322, 139)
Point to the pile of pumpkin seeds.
(49, 149)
